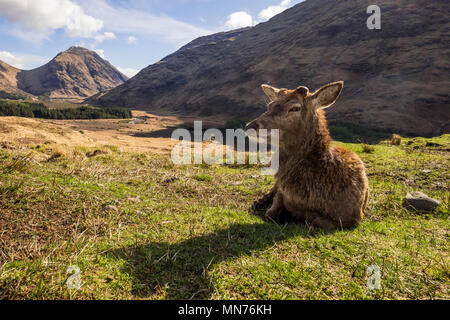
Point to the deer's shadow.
(181, 270)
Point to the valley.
(151, 135)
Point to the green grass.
(187, 232)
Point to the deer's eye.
(295, 109)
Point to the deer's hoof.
(272, 215)
(263, 204)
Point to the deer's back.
(336, 181)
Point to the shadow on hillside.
(181, 269)
(163, 133)
(167, 133)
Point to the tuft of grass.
(203, 177)
(57, 153)
(367, 148)
(396, 140)
(18, 164)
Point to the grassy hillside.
(138, 227)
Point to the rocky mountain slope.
(8, 78)
(75, 73)
(397, 78)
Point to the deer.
(322, 185)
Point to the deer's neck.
(310, 142)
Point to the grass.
(187, 232)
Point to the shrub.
(367, 148)
(10, 96)
(396, 140)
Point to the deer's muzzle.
(252, 125)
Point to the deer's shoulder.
(347, 156)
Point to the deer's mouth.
(253, 125)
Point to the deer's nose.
(252, 125)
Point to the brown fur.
(396, 140)
(317, 183)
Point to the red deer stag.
(320, 184)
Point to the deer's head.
(295, 110)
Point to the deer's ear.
(272, 92)
(326, 96)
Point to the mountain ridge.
(396, 77)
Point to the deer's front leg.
(274, 212)
(266, 201)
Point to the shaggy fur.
(317, 183)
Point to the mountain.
(396, 78)
(75, 73)
(8, 78)
(214, 38)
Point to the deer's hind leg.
(325, 223)
(318, 221)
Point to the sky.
(130, 34)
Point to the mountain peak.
(78, 49)
(76, 73)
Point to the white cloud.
(11, 59)
(22, 61)
(272, 11)
(105, 36)
(132, 40)
(100, 52)
(239, 19)
(129, 72)
(242, 19)
(123, 19)
(41, 18)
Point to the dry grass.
(152, 135)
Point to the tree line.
(11, 96)
(39, 110)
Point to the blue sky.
(131, 34)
